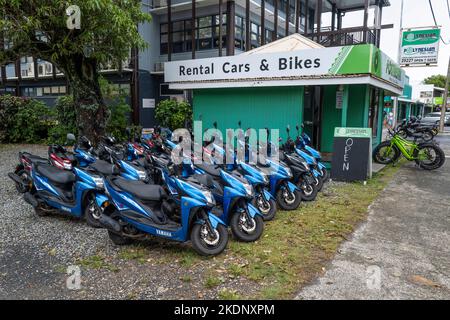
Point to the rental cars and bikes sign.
(336, 61)
(420, 47)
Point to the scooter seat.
(141, 190)
(54, 174)
(34, 158)
(104, 167)
(209, 169)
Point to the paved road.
(402, 252)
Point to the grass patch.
(97, 262)
(294, 247)
(137, 253)
(212, 281)
(227, 294)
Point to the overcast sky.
(416, 13)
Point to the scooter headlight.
(209, 198)
(265, 178)
(248, 189)
(306, 165)
(99, 183)
(289, 172)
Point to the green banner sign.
(420, 46)
(353, 132)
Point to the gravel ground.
(36, 251)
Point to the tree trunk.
(91, 111)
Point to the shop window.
(206, 34)
(164, 90)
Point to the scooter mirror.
(71, 137)
(239, 123)
(215, 124)
(288, 128)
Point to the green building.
(292, 81)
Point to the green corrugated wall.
(258, 108)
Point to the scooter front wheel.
(268, 208)
(91, 212)
(289, 200)
(207, 244)
(309, 192)
(246, 228)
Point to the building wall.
(258, 108)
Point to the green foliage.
(9, 105)
(24, 120)
(174, 114)
(118, 120)
(65, 122)
(108, 29)
(119, 109)
(438, 80)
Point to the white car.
(435, 117)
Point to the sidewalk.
(402, 251)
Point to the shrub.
(66, 120)
(24, 120)
(119, 109)
(9, 105)
(173, 114)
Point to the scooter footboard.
(215, 221)
(253, 211)
(100, 199)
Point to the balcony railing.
(344, 37)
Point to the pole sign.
(352, 154)
(419, 47)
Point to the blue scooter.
(140, 209)
(303, 142)
(263, 200)
(232, 192)
(78, 193)
(234, 195)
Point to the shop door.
(312, 113)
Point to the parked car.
(435, 117)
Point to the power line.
(448, 8)
(434, 18)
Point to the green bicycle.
(427, 155)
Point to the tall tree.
(438, 80)
(78, 36)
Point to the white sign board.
(148, 103)
(349, 60)
(419, 47)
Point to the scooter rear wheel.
(119, 240)
(209, 247)
(24, 176)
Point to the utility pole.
(398, 61)
(444, 103)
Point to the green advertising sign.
(352, 132)
(438, 101)
(420, 46)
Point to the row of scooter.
(135, 189)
